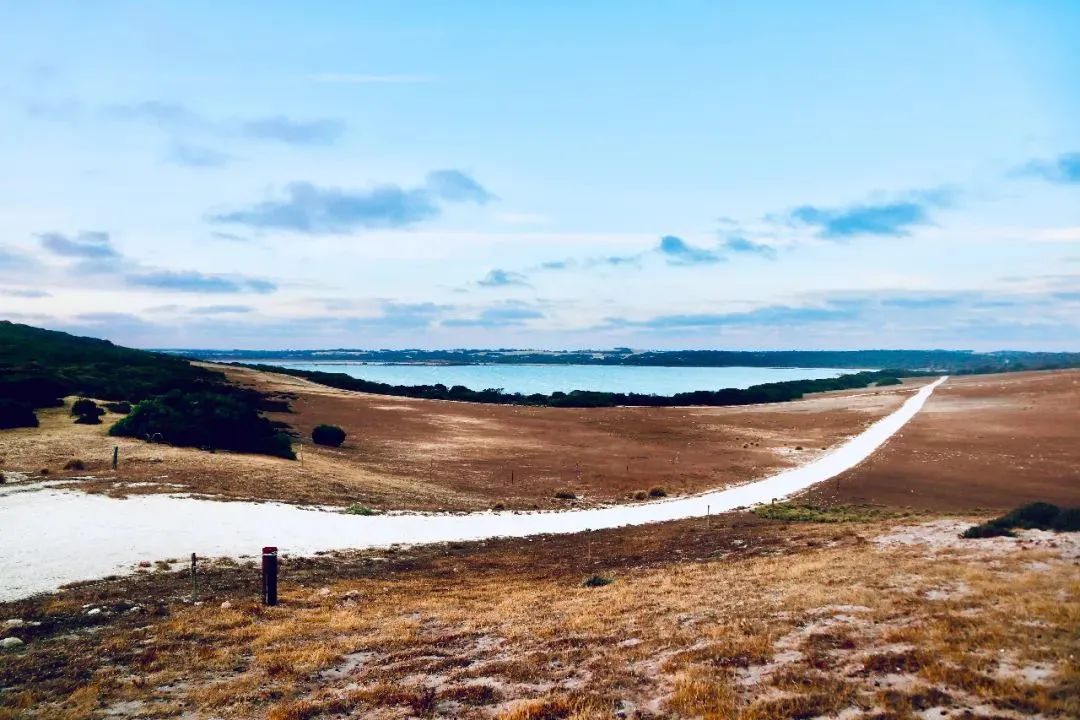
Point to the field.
(884, 613)
(435, 455)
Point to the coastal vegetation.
(952, 361)
(174, 401)
(756, 394)
(1033, 516)
(329, 435)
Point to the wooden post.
(194, 580)
(708, 516)
(115, 456)
(269, 575)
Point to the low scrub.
(793, 512)
(358, 509)
(208, 420)
(328, 435)
(1033, 516)
(657, 492)
(86, 412)
(596, 581)
(15, 414)
(120, 408)
(564, 494)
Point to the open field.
(886, 614)
(432, 455)
(739, 618)
(981, 441)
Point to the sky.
(755, 175)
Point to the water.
(528, 379)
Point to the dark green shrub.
(564, 494)
(120, 408)
(1033, 516)
(208, 419)
(657, 492)
(883, 382)
(594, 581)
(329, 435)
(358, 509)
(87, 412)
(14, 414)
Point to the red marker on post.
(269, 575)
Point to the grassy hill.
(176, 402)
(39, 366)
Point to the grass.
(812, 629)
(358, 509)
(793, 512)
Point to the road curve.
(51, 537)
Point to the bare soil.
(435, 455)
(981, 441)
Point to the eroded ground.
(431, 455)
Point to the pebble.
(325, 591)
(93, 611)
(14, 623)
(226, 605)
(10, 642)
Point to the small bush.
(884, 382)
(358, 509)
(74, 465)
(120, 408)
(87, 412)
(15, 414)
(565, 494)
(640, 495)
(657, 492)
(329, 435)
(596, 581)
(1033, 516)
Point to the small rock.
(324, 592)
(14, 623)
(226, 605)
(93, 611)
(144, 563)
(10, 642)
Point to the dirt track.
(433, 455)
(981, 441)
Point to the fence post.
(115, 456)
(269, 575)
(194, 580)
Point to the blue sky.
(661, 175)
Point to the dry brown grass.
(825, 630)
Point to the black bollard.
(269, 576)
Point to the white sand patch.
(51, 537)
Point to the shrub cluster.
(86, 412)
(210, 419)
(14, 414)
(329, 435)
(1034, 516)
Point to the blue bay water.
(547, 379)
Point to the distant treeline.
(929, 360)
(764, 393)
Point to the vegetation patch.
(15, 414)
(358, 509)
(794, 512)
(564, 494)
(329, 435)
(1033, 516)
(594, 581)
(86, 412)
(210, 420)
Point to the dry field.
(981, 441)
(739, 619)
(433, 455)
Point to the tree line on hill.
(174, 401)
(763, 393)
